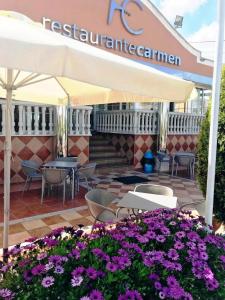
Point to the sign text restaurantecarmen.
(108, 42)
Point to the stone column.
(163, 124)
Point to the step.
(99, 142)
(97, 137)
(110, 161)
(94, 149)
(103, 153)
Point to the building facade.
(112, 133)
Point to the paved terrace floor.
(31, 219)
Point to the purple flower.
(160, 238)
(50, 242)
(222, 258)
(187, 296)
(37, 270)
(171, 281)
(78, 271)
(178, 245)
(111, 267)
(203, 255)
(6, 294)
(153, 277)
(27, 275)
(81, 245)
(162, 295)
(142, 239)
(49, 266)
(180, 234)
(42, 255)
(55, 259)
(212, 285)
(76, 281)
(173, 254)
(158, 285)
(47, 281)
(150, 234)
(85, 298)
(59, 270)
(131, 295)
(208, 274)
(92, 273)
(96, 295)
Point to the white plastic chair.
(154, 189)
(54, 177)
(85, 174)
(98, 202)
(32, 171)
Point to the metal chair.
(185, 159)
(98, 202)
(68, 158)
(198, 206)
(154, 189)
(32, 171)
(54, 177)
(85, 173)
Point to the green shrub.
(202, 153)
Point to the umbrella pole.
(215, 114)
(7, 161)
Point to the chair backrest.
(154, 189)
(54, 176)
(88, 170)
(68, 158)
(30, 167)
(184, 160)
(97, 201)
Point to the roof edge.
(176, 34)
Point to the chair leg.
(42, 190)
(64, 191)
(29, 183)
(25, 185)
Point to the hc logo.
(123, 12)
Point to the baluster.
(70, 115)
(83, 121)
(89, 122)
(43, 120)
(77, 129)
(3, 118)
(36, 120)
(51, 128)
(29, 120)
(138, 122)
(21, 121)
(120, 122)
(142, 122)
(154, 129)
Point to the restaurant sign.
(102, 40)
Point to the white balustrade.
(127, 122)
(80, 120)
(184, 123)
(29, 119)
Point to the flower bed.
(161, 255)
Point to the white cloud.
(204, 40)
(171, 8)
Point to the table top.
(147, 201)
(180, 153)
(61, 164)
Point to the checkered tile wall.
(125, 144)
(142, 143)
(38, 148)
(79, 146)
(182, 143)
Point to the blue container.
(148, 162)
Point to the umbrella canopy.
(87, 74)
(42, 66)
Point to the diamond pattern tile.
(182, 143)
(79, 146)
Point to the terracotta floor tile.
(40, 232)
(83, 221)
(85, 213)
(17, 238)
(34, 224)
(16, 228)
(53, 220)
(72, 215)
(59, 225)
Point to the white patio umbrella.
(42, 66)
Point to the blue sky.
(199, 23)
